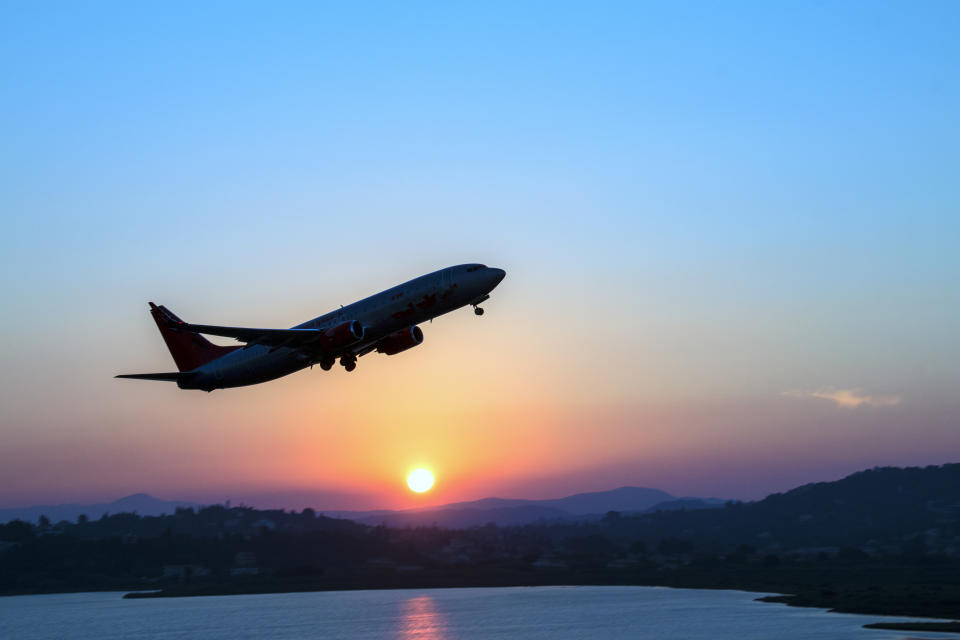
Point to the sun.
(420, 480)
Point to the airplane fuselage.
(381, 315)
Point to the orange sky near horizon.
(485, 426)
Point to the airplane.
(385, 323)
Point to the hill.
(884, 540)
(877, 511)
(508, 512)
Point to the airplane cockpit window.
(476, 267)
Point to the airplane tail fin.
(189, 350)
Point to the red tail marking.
(189, 350)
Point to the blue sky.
(696, 203)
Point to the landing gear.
(476, 303)
(349, 363)
(327, 363)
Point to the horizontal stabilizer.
(171, 377)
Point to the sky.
(731, 233)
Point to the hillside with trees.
(885, 540)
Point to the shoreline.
(935, 627)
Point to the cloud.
(846, 398)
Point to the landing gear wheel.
(349, 363)
(326, 365)
(478, 311)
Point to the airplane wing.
(294, 338)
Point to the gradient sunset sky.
(731, 233)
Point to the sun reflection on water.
(421, 619)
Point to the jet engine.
(342, 335)
(400, 341)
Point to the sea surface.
(526, 613)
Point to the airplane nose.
(496, 275)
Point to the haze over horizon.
(730, 234)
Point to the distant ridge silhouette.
(501, 511)
(506, 511)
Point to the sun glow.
(420, 480)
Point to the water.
(525, 613)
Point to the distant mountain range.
(505, 512)
(501, 511)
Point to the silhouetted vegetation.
(880, 541)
